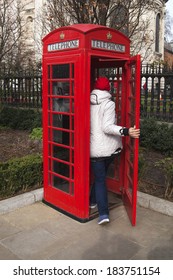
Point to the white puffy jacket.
(105, 135)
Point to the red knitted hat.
(102, 83)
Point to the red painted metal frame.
(85, 59)
(131, 145)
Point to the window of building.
(29, 26)
(157, 33)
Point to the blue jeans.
(99, 190)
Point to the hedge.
(20, 174)
(156, 136)
(22, 119)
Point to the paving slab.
(7, 229)
(29, 244)
(99, 245)
(150, 225)
(37, 231)
(31, 216)
(160, 249)
(6, 254)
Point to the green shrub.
(36, 134)
(20, 174)
(163, 141)
(156, 136)
(141, 165)
(148, 135)
(167, 165)
(22, 119)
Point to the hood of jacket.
(98, 96)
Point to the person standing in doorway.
(105, 143)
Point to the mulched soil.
(152, 178)
(16, 143)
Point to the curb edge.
(143, 200)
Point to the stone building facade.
(153, 44)
(31, 15)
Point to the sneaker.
(93, 205)
(103, 219)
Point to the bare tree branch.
(129, 17)
(10, 29)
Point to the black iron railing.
(24, 89)
(21, 88)
(157, 92)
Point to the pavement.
(38, 232)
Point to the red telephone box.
(73, 57)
